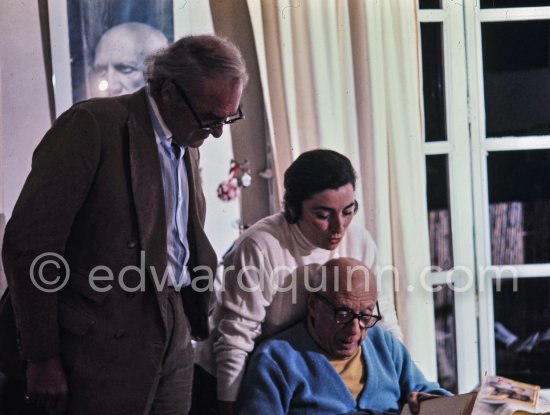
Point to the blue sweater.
(289, 374)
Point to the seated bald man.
(336, 361)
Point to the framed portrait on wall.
(99, 46)
(109, 41)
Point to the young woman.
(266, 272)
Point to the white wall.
(24, 111)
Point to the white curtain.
(345, 75)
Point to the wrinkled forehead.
(354, 299)
(349, 277)
(351, 283)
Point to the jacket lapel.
(147, 184)
(196, 199)
(201, 253)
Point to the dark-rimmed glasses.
(209, 126)
(344, 315)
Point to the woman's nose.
(337, 225)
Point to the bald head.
(119, 58)
(348, 276)
(148, 38)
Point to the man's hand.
(226, 407)
(415, 398)
(47, 384)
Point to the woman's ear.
(292, 214)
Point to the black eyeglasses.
(345, 315)
(209, 126)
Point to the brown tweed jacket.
(95, 197)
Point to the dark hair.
(192, 59)
(312, 172)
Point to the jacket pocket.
(73, 326)
(73, 320)
(80, 283)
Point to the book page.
(542, 408)
(501, 390)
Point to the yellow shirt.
(353, 370)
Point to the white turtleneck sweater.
(264, 291)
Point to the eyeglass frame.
(208, 126)
(354, 315)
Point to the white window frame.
(481, 146)
(458, 151)
(467, 149)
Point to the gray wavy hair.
(192, 59)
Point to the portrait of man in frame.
(109, 41)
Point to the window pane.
(494, 4)
(439, 218)
(434, 81)
(430, 4)
(519, 206)
(445, 336)
(516, 70)
(522, 329)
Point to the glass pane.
(439, 218)
(519, 206)
(430, 4)
(433, 81)
(445, 336)
(497, 4)
(522, 329)
(516, 70)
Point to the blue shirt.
(176, 198)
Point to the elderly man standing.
(327, 364)
(114, 197)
